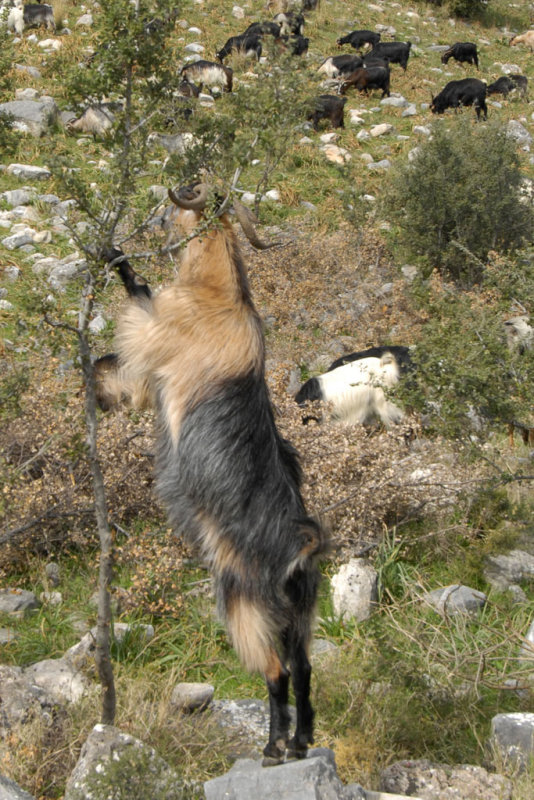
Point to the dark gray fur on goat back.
(225, 463)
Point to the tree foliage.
(468, 382)
(459, 198)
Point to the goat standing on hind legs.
(230, 482)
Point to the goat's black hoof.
(271, 761)
(273, 754)
(296, 749)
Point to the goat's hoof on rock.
(296, 750)
(273, 754)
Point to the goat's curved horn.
(245, 216)
(192, 198)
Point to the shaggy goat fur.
(230, 482)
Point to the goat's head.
(190, 203)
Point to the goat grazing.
(357, 39)
(33, 16)
(466, 92)
(461, 52)
(247, 44)
(330, 107)
(354, 385)
(208, 73)
(333, 66)
(393, 52)
(290, 23)
(96, 120)
(523, 38)
(509, 83)
(366, 78)
(230, 482)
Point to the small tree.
(459, 198)
(134, 67)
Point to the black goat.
(263, 29)
(394, 52)
(330, 107)
(466, 92)
(461, 52)
(246, 44)
(298, 45)
(509, 83)
(357, 39)
(230, 482)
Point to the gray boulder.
(19, 197)
(31, 116)
(9, 790)
(429, 781)
(518, 132)
(17, 601)
(108, 756)
(191, 696)
(354, 590)
(312, 778)
(503, 571)
(28, 172)
(455, 599)
(512, 736)
(22, 700)
(59, 678)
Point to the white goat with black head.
(356, 385)
(230, 482)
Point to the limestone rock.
(17, 601)
(354, 590)
(512, 735)
(31, 116)
(455, 599)
(311, 778)
(504, 570)
(105, 745)
(192, 696)
(28, 172)
(9, 790)
(430, 781)
(59, 678)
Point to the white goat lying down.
(355, 384)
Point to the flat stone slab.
(311, 778)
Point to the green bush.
(459, 198)
(467, 380)
(467, 8)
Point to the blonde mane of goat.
(197, 333)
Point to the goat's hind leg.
(301, 678)
(278, 686)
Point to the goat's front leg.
(278, 686)
(136, 286)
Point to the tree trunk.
(103, 633)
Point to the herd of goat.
(195, 353)
(369, 69)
